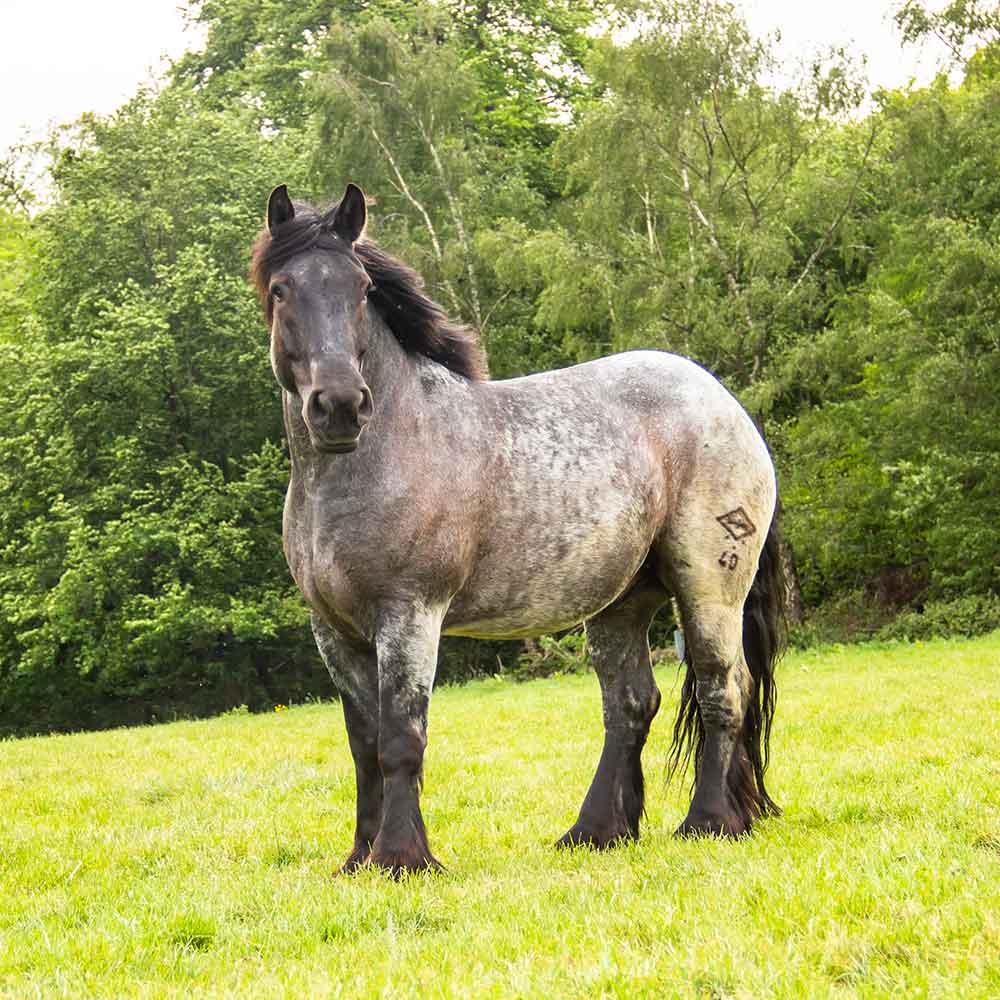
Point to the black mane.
(419, 324)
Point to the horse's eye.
(278, 293)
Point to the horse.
(425, 499)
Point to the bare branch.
(654, 245)
(404, 189)
(379, 83)
(732, 282)
(456, 215)
(740, 160)
(824, 241)
(492, 309)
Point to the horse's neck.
(391, 373)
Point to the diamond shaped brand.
(737, 523)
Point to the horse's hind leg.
(713, 713)
(619, 649)
(725, 705)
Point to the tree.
(141, 472)
(446, 113)
(449, 116)
(696, 221)
(892, 467)
(965, 27)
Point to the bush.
(975, 614)
(566, 654)
(850, 617)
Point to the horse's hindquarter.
(578, 482)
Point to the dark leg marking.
(619, 649)
(713, 704)
(363, 736)
(354, 670)
(407, 655)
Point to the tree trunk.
(794, 607)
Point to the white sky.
(60, 58)
(864, 27)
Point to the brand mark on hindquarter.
(737, 524)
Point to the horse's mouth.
(330, 444)
(337, 447)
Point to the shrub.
(566, 654)
(851, 617)
(975, 614)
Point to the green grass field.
(194, 859)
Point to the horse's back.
(714, 451)
(699, 435)
(591, 468)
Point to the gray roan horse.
(426, 499)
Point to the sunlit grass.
(194, 859)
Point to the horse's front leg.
(407, 643)
(354, 669)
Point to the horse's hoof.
(727, 825)
(598, 840)
(355, 861)
(396, 864)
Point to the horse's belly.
(537, 583)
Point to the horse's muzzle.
(336, 420)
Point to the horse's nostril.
(343, 413)
(318, 407)
(367, 405)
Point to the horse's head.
(316, 302)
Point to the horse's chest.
(328, 586)
(311, 550)
(347, 557)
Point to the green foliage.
(434, 112)
(525, 55)
(966, 27)
(17, 255)
(141, 471)
(895, 463)
(553, 656)
(692, 220)
(849, 616)
(972, 615)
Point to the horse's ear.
(279, 208)
(351, 215)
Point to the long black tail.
(763, 643)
